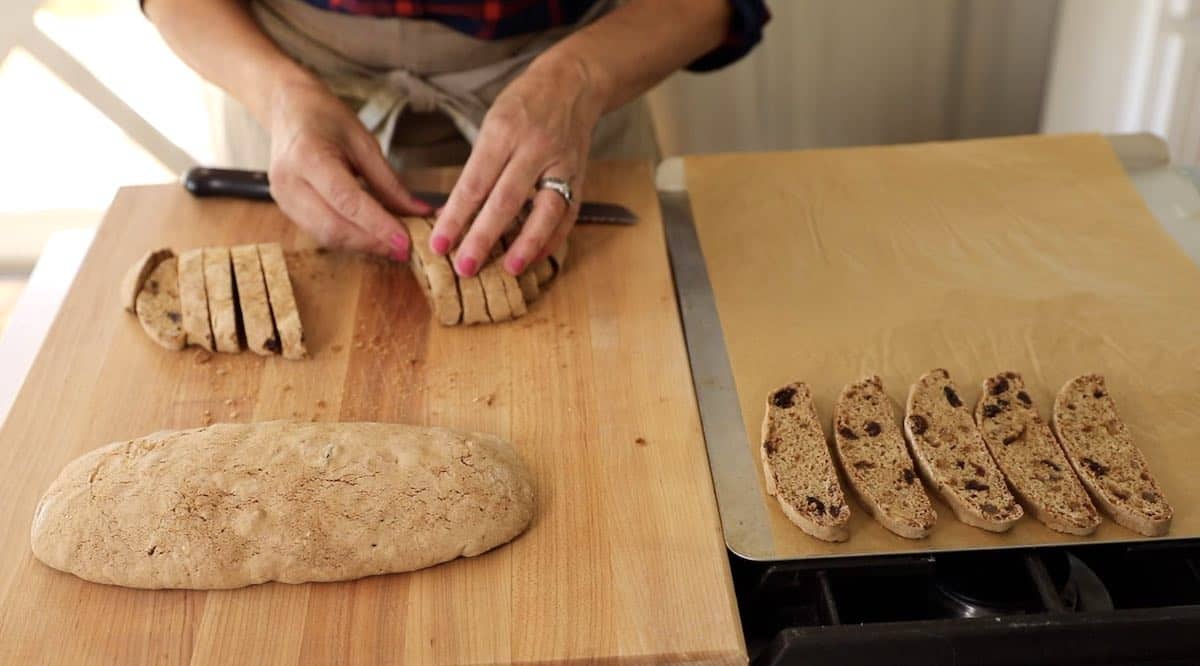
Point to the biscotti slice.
(257, 323)
(1030, 458)
(236, 504)
(283, 301)
(558, 259)
(1101, 449)
(871, 448)
(491, 276)
(194, 300)
(543, 270)
(512, 290)
(137, 275)
(952, 457)
(474, 302)
(799, 471)
(434, 273)
(222, 306)
(158, 308)
(527, 280)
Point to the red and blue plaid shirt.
(496, 19)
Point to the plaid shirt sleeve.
(745, 32)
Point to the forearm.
(220, 40)
(628, 51)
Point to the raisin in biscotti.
(798, 469)
(871, 449)
(1030, 457)
(1101, 450)
(951, 455)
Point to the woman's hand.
(539, 126)
(330, 177)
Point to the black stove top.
(1101, 604)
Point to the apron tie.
(400, 89)
(385, 94)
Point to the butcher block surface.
(624, 561)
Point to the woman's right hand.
(330, 177)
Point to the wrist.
(272, 86)
(591, 84)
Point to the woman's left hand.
(539, 126)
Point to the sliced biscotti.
(474, 303)
(512, 289)
(527, 280)
(1031, 459)
(543, 270)
(137, 275)
(952, 457)
(257, 322)
(492, 277)
(558, 258)
(1101, 450)
(434, 273)
(283, 301)
(222, 305)
(871, 448)
(194, 300)
(158, 307)
(799, 471)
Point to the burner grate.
(1032, 606)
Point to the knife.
(243, 184)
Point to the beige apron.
(420, 87)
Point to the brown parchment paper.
(1034, 254)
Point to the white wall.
(844, 73)
(1128, 66)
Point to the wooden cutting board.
(624, 560)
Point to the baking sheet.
(1033, 253)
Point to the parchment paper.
(1034, 254)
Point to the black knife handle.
(208, 182)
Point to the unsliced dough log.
(237, 504)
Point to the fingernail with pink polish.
(399, 247)
(440, 244)
(467, 266)
(516, 265)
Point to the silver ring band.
(558, 185)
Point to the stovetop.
(1111, 604)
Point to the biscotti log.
(230, 505)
